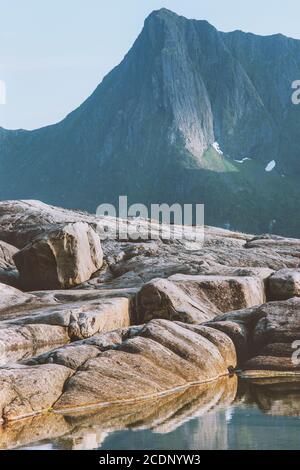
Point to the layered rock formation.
(160, 314)
(265, 335)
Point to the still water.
(227, 414)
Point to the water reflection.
(225, 414)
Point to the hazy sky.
(53, 53)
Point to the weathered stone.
(272, 363)
(82, 295)
(238, 333)
(110, 314)
(75, 354)
(162, 298)
(25, 391)
(31, 337)
(22, 221)
(60, 258)
(8, 272)
(190, 281)
(10, 296)
(80, 319)
(129, 364)
(10, 277)
(196, 299)
(163, 356)
(264, 334)
(221, 253)
(284, 284)
(278, 350)
(274, 242)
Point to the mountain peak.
(163, 13)
(190, 115)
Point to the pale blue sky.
(53, 53)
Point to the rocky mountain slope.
(191, 115)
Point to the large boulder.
(60, 258)
(21, 221)
(196, 299)
(284, 284)
(161, 298)
(266, 337)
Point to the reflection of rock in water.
(88, 441)
(227, 418)
(278, 397)
(84, 430)
(34, 429)
(212, 434)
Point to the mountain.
(191, 115)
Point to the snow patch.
(216, 146)
(243, 160)
(270, 166)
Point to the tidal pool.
(226, 414)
